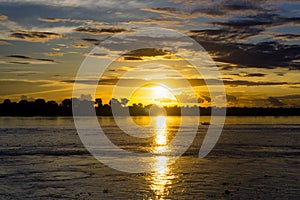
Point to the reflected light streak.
(161, 178)
(161, 137)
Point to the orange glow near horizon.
(154, 94)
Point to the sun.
(154, 94)
(162, 95)
(161, 92)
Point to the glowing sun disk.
(161, 92)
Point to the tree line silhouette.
(41, 107)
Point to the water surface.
(255, 158)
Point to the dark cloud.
(250, 83)
(18, 56)
(254, 75)
(265, 55)
(28, 60)
(241, 5)
(241, 28)
(97, 55)
(34, 36)
(92, 30)
(208, 11)
(213, 9)
(141, 54)
(89, 82)
(19, 62)
(287, 37)
(193, 82)
(261, 55)
(227, 8)
(132, 58)
(228, 41)
(275, 102)
(149, 52)
(200, 100)
(202, 82)
(207, 98)
(256, 20)
(90, 40)
(226, 34)
(262, 19)
(291, 100)
(293, 96)
(80, 46)
(233, 83)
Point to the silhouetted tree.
(66, 107)
(66, 103)
(51, 108)
(40, 101)
(99, 102)
(39, 107)
(7, 102)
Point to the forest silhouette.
(41, 107)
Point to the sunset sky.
(255, 45)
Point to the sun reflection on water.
(162, 177)
(160, 127)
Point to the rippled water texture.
(255, 158)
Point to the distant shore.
(40, 107)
